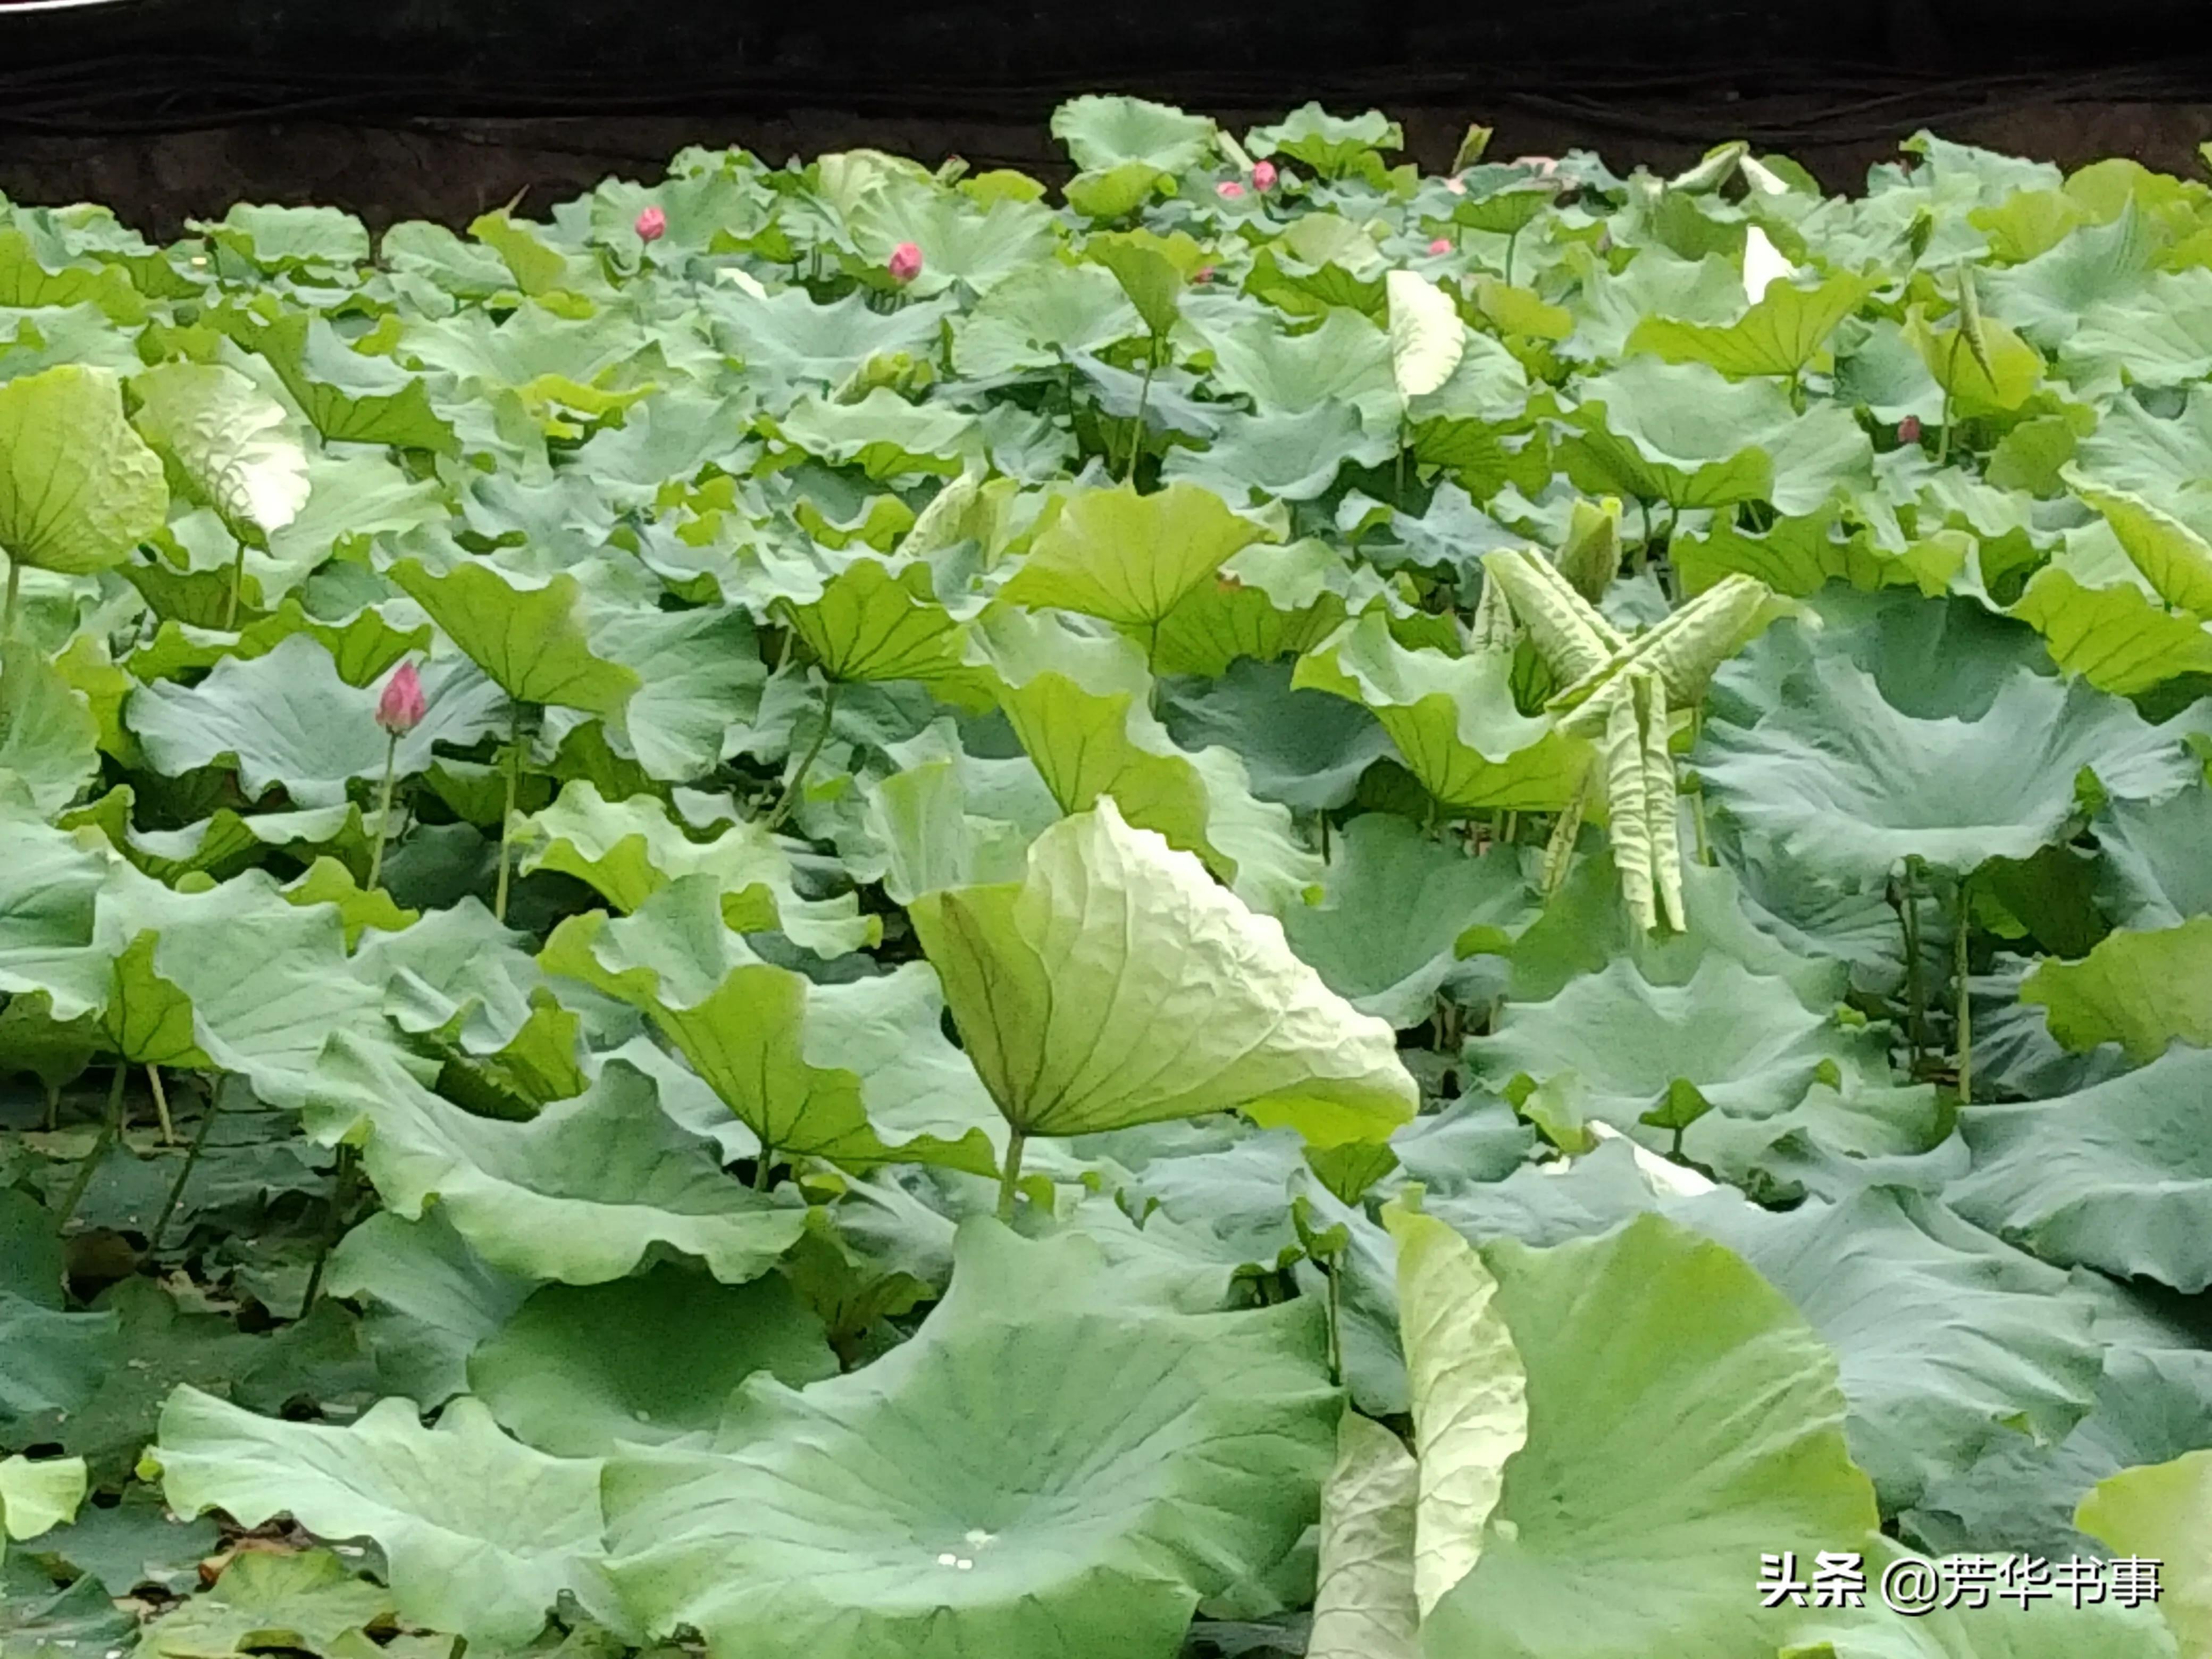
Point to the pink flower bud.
(1455, 184)
(1908, 430)
(1263, 175)
(1441, 245)
(1229, 189)
(651, 225)
(1203, 274)
(400, 709)
(905, 263)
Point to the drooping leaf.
(78, 487)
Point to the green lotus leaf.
(1742, 1040)
(231, 442)
(1469, 1393)
(2149, 873)
(1387, 936)
(233, 978)
(1364, 1604)
(2174, 558)
(958, 241)
(78, 487)
(629, 850)
(2115, 635)
(1839, 774)
(310, 1601)
(790, 342)
(745, 1025)
(287, 718)
(1331, 145)
(1800, 557)
(698, 674)
(1077, 703)
(38, 1496)
(2160, 335)
(579, 1368)
(884, 435)
(454, 975)
(2141, 990)
(347, 396)
(580, 1193)
(1040, 318)
(1146, 1451)
(2014, 366)
(1292, 458)
(1048, 978)
(1685, 435)
(2163, 1513)
(283, 238)
(49, 738)
(1783, 332)
(365, 646)
(1129, 558)
(532, 641)
(1105, 132)
(429, 1301)
(1452, 718)
(1346, 360)
(2115, 1176)
(1302, 748)
(481, 1535)
(1427, 338)
(1690, 1336)
(874, 622)
(1951, 1343)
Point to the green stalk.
(341, 1200)
(161, 1106)
(384, 815)
(1010, 1182)
(1511, 237)
(1144, 396)
(109, 1133)
(192, 1157)
(1966, 1009)
(237, 580)
(1951, 374)
(799, 779)
(14, 600)
(1335, 1328)
(763, 1168)
(506, 818)
(1915, 993)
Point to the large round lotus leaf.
(1059, 1465)
(2153, 872)
(1304, 749)
(2118, 1176)
(482, 1534)
(1398, 903)
(1683, 1421)
(288, 719)
(581, 1367)
(1843, 779)
(2164, 1513)
(78, 487)
(1116, 984)
(1742, 1040)
(579, 1194)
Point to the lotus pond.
(1271, 906)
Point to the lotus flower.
(400, 709)
(1229, 189)
(1441, 245)
(1263, 175)
(1455, 184)
(651, 225)
(1908, 430)
(1203, 274)
(905, 263)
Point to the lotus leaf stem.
(1966, 1007)
(790, 797)
(1010, 1181)
(110, 1131)
(161, 1106)
(384, 816)
(185, 1174)
(507, 817)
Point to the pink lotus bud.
(400, 709)
(1203, 274)
(1908, 430)
(651, 225)
(1229, 189)
(905, 263)
(1263, 175)
(1441, 245)
(1455, 184)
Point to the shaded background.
(170, 109)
